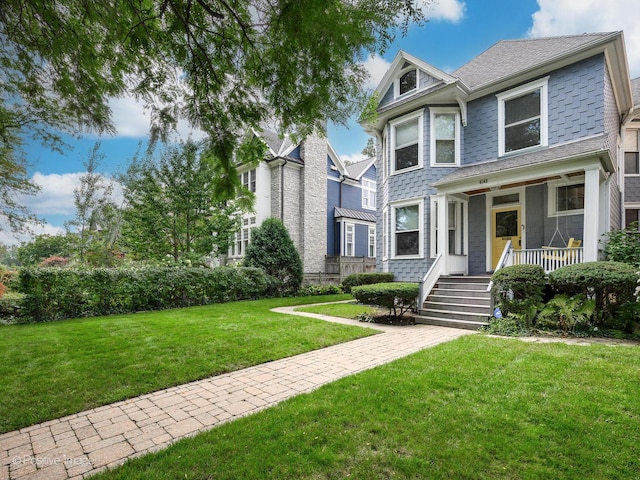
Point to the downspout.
(339, 232)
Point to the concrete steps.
(458, 302)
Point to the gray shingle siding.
(536, 212)
(632, 189)
(387, 97)
(481, 132)
(576, 100)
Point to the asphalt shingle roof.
(355, 170)
(509, 57)
(567, 150)
(354, 214)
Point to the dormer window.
(407, 82)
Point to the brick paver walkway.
(85, 443)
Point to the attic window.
(407, 82)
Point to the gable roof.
(278, 146)
(398, 64)
(510, 57)
(356, 170)
(504, 65)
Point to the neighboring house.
(631, 145)
(319, 199)
(351, 207)
(517, 150)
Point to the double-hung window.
(445, 136)
(408, 227)
(565, 199)
(248, 180)
(371, 251)
(368, 194)
(406, 138)
(349, 239)
(523, 117)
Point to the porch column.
(443, 230)
(591, 214)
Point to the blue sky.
(457, 31)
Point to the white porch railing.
(430, 279)
(549, 259)
(505, 260)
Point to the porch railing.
(549, 259)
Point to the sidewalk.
(88, 442)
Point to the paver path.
(85, 443)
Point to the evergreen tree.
(272, 250)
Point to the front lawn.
(50, 370)
(474, 408)
(344, 310)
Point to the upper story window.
(523, 117)
(368, 194)
(631, 166)
(407, 82)
(445, 135)
(248, 180)
(406, 142)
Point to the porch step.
(458, 302)
(451, 322)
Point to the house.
(631, 146)
(503, 160)
(327, 206)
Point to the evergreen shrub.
(368, 278)
(518, 290)
(398, 297)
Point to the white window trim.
(367, 191)
(462, 219)
(396, 82)
(406, 203)
(392, 144)
(433, 112)
(352, 227)
(385, 233)
(543, 85)
(385, 157)
(371, 232)
(552, 196)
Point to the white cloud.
(570, 17)
(445, 10)
(56, 194)
(377, 67)
(132, 120)
(8, 238)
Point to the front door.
(505, 226)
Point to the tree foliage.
(223, 66)
(172, 207)
(45, 246)
(97, 216)
(272, 250)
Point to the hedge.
(356, 279)
(57, 293)
(610, 284)
(396, 296)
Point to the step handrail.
(430, 279)
(504, 258)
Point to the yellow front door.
(505, 226)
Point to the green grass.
(344, 310)
(475, 408)
(50, 370)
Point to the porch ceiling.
(530, 168)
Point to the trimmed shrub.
(272, 250)
(610, 284)
(369, 278)
(518, 290)
(57, 293)
(398, 297)
(313, 290)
